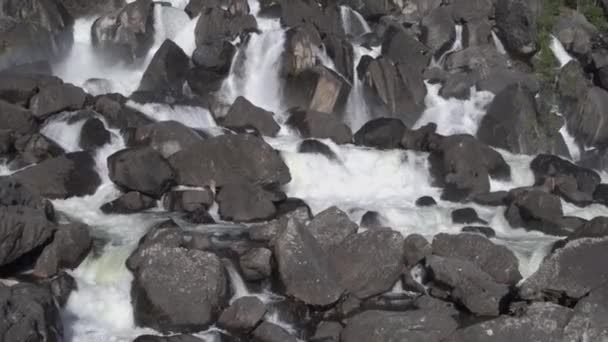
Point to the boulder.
(494, 198)
(71, 244)
(327, 332)
(129, 203)
(426, 201)
(386, 326)
(13, 192)
(499, 79)
(141, 169)
(304, 268)
(256, 264)
(164, 234)
(85, 8)
(368, 263)
(29, 313)
(245, 202)
(16, 119)
(216, 24)
(244, 113)
(301, 46)
(536, 210)
(94, 135)
(382, 133)
(516, 21)
(215, 56)
(56, 98)
(269, 332)
(127, 35)
(34, 149)
(174, 338)
(242, 315)
(178, 290)
(29, 42)
(542, 322)
(415, 249)
(312, 124)
(72, 174)
(18, 88)
(188, 200)
(468, 285)
(590, 318)
(588, 123)
(497, 261)
(167, 137)
(229, 159)
(22, 230)
(317, 88)
(438, 32)
(167, 71)
(466, 216)
(403, 48)
(576, 34)
(463, 10)
(330, 227)
(482, 58)
(118, 115)
(570, 272)
(481, 230)
(317, 147)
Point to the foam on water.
(195, 117)
(560, 53)
(353, 22)
(357, 110)
(573, 147)
(64, 132)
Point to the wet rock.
(16, 119)
(513, 123)
(541, 322)
(468, 285)
(495, 198)
(188, 200)
(327, 332)
(167, 70)
(73, 174)
(330, 227)
(590, 317)
(165, 234)
(34, 149)
(56, 98)
(588, 123)
(94, 135)
(16, 193)
(194, 7)
(27, 42)
(129, 203)
(215, 56)
(403, 48)
(216, 24)
(167, 137)
(178, 290)
(517, 26)
(385, 326)
(141, 169)
(425, 201)
(595, 228)
(498, 80)
(304, 268)
(22, 230)
(245, 202)
(483, 58)
(536, 210)
(368, 263)
(126, 35)
(269, 332)
(575, 33)
(118, 115)
(485, 231)
(415, 249)
(242, 315)
(571, 271)
(458, 85)
(438, 31)
(301, 44)
(244, 113)
(229, 159)
(61, 287)
(317, 147)
(383, 133)
(318, 89)
(311, 124)
(84, 8)
(341, 52)
(199, 216)
(256, 264)
(71, 244)
(18, 88)
(463, 10)
(497, 261)
(29, 314)
(466, 216)
(294, 207)
(372, 220)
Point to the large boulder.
(245, 202)
(22, 230)
(17, 87)
(129, 203)
(126, 35)
(482, 58)
(167, 71)
(94, 134)
(242, 315)
(369, 263)
(71, 244)
(178, 290)
(243, 113)
(498, 261)
(301, 46)
(330, 227)
(317, 88)
(590, 317)
(313, 124)
(388, 326)
(34, 149)
(25, 43)
(256, 264)
(576, 34)
(517, 27)
(72, 174)
(404, 49)
(16, 118)
(188, 200)
(270, 332)
(382, 133)
(304, 268)
(141, 169)
(469, 10)
(513, 123)
(536, 210)
(29, 313)
(118, 115)
(167, 137)
(215, 56)
(56, 98)
(217, 24)
(588, 124)
(227, 159)
(570, 272)
(541, 322)
(438, 32)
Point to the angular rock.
(590, 317)
(425, 201)
(18, 88)
(438, 31)
(16, 119)
(327, 332)
(242, 315)
(464, 10)
(245, 202)
(466, 215)
(94, 134)
(403, 48)
(269, 332)
(575, 33)
(167, 71)
(71, 244)
(256, 264)
(536, 210)
(318, 89)
(129, 203)
(516, 21)
(311, 124)
(383, 133)
(215, 56)
(330, 227)
(244, 113)
(118, 115)
(188, 200)
(141, 169)
(34, 149)
(316, 147)
(56, 98)
(174, 338)
(167, 137)
(415, 249)
(368, 263)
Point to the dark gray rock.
(516, 21)
(536, 210)
(312, 124)
(575, 33)
(71, 244)
(466, 216)
(165, 234)
(141, 169)
(403, 48)
(415, 249)
(34, 149)
(468, 285)
(94, 134)
(118, 115)
(129, 203)
(215, 56)
(425, 201)
(256, 264)
(463, 10)
(16, 118)
(483, 58)
(244, 202)
(56, 98)
(178, 290)
(84, 8)
(383, 133)
(304, 268)
(369, 263)
(244, 113)
(330, 227)
(318, 89)
(167, 137)
(216, 24)
(18, 88)
(485, 231)
(25, 42)
(229, 159)
(269, 332)
(595, 228)
(72, 174)
(174, 338)
(317, 147)
(497, 80)
(386, 326)
(590, 317)
(242, 315)
(167, 71)
(495, 198)
(438, 32)
(498, 261)
(327, 332)
(188, 200)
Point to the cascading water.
(353, 23)
(498, 44)
(559, 51)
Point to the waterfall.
(456, 46)
(357, 110)
(498, 44)
(559, 52)
(353, 22)
(238, 285)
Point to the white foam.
(498, 44)
(195, 117)
(353, 22)
(357, 110)
(559, 52)
(573, 147)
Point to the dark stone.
(311, 124)
(466, 10)
(438, 31)
(16, 119)
(167, 137)
(536, 210)
(71, 244)
(415, 249)
(485, 231)
(216, 56)
(426, 201)
(141, 169)
(242, 315)
(167, 71)
(317, 89)
(94, 135)
(497, 261)
(200, 216)
(174, 338)
(61, 287)
(368, 263)
(327, 332)
(372, 220)
(245, 202)
(404, 48)
(129, 203)
(188, 200)
(330, 227)
(34, 149)
(18, 88)
(84, 8)
(383, 133)
(244, 113)
(56, 98)
(269, 332)
(256, 264)
(516, 21)
(466, 216)
(589, 317)
(495, 199)
(118, 115)
(317, 147)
